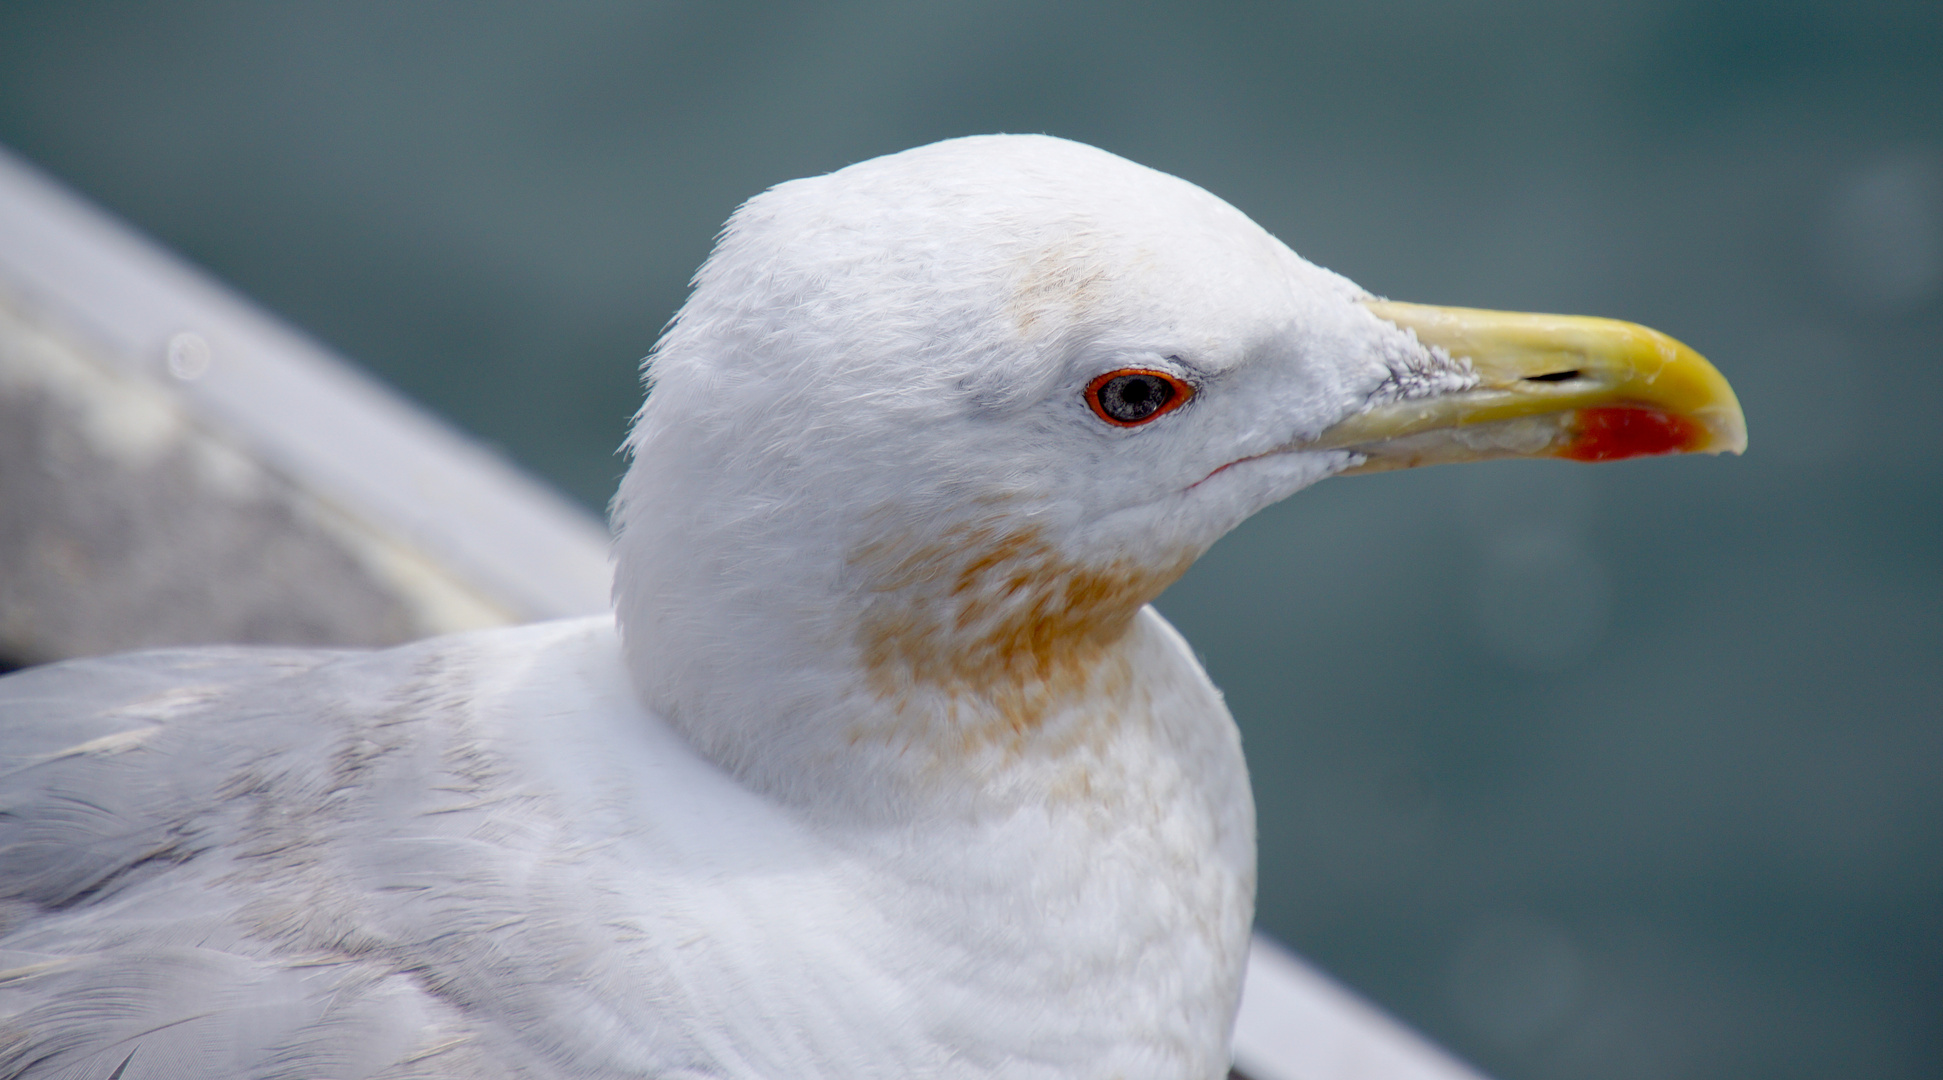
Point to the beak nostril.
(1555, 376)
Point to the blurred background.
(1631, 771)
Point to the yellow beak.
(1560, 386)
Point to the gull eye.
(1133, 396)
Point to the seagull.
(883, 765)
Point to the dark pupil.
(1134, 397)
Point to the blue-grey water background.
(1632, 771)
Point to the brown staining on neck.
(996, 625)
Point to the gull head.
(931, 430)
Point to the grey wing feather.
(84, 800)
(46, 709)
(128, 787)
(188, 1012)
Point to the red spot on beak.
(1617, 432)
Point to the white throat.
(893, 664)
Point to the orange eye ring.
(1130, 397)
